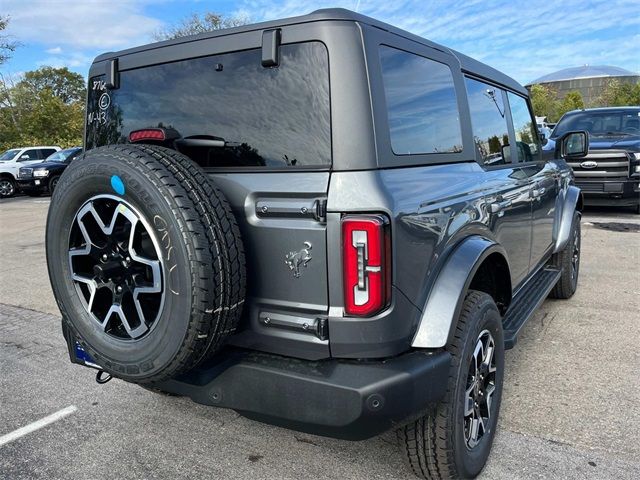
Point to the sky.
(524, 39)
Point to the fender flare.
(449, 290)
(572, 201)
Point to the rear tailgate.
(281, 216)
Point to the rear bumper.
(337, 398)
(346, 399)
(610, 192)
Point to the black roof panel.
(332, 14)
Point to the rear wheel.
(453, 439)
(7, 187)
(145, 260)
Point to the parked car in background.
(610, 174)
(11, 161)
(38, 178)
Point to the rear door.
(545, 177)
(509, 204)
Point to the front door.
(544, 178)
(509, 204)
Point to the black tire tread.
(211, 234)
(564, 289)
(427, 443)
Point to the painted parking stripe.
(37, 425)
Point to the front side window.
(266, 117)
(422, 107)
(489, 122)
(29, 155)
(527, 143)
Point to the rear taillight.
(366, 246)
(156, 134)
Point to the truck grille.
(25, 172)
(609, 165)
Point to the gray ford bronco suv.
(323, 222)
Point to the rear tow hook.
(103, 377)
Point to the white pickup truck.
(13, 159)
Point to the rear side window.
(45, 152)
(489, 122)
(268, 117)
(527, 144)
(422, 107)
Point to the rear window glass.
(421, 104)
(274, 117)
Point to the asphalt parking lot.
(570, 407)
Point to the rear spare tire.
(145, 261)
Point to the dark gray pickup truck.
(324, 222)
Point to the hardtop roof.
(468, 64)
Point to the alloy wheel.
(480, 387)
(6, 188)
(575, 256)
(116, 267)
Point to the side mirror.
(24, 157)
(574, 145)
(505, 151)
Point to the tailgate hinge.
(320, 210)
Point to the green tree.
(45, 107)
(197, 23)
(545, 102)
(494, 144)
(571, 101)
(7, 44)
(64, 84)
(619, 94)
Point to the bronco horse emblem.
(295, 260)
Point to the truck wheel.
(145, 260)
(7, 187)
(453, 439)
(568, 259)
(53, 182)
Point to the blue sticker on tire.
(117, 184)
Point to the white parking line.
(32, 427)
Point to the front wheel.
(53, 183)
(568, 260)
(453, 439)
(7, 187)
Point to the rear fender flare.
(572, 201)
(449, 290)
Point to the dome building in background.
(589, 80)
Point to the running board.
(528, 299)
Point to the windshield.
(61, 156)
(9, 154)
(601, 124)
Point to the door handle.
(496, 207)
(538, 192)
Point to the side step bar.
(527, 300)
